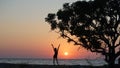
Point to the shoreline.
(11, 65)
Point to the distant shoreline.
(50, 59)
(11, 65)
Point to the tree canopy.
(94, 24)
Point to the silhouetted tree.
(94, 25)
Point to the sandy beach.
(8, 65)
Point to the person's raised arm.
(52, 46)
(58, 46)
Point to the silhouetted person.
(55, 54)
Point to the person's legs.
(57, 61)
(53, 61)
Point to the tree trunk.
(110, 59)
(111, 55)
(111, 63)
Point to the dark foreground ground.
(7, 65)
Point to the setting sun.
(66, 53)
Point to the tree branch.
(104, 39)
(117, 54)
(96, 50)
(117, 45)
(70, 39)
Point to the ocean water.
(93, 62)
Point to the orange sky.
(24, 32)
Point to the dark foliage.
(95, 24)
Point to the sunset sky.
(25, 34)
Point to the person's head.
(55, 49)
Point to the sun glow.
(66, 53)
